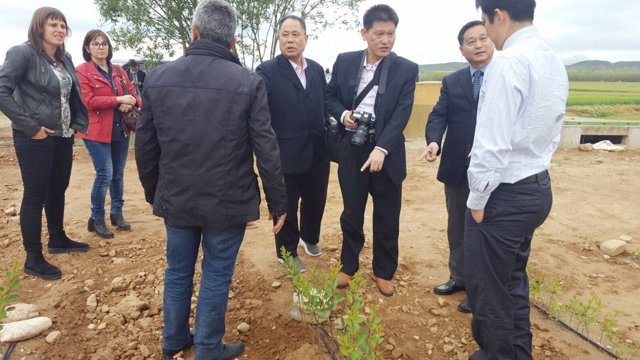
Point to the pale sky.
(591, 29)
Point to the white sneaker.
(310, 249)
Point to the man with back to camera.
(520, 115)
(296, 88)
(372, 92)
(204, 117)
(455, 113)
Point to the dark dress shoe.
(118, 221)
(230, 351)
(464, 306)
(100, 228)
(169, 354)
(61, 243)
(448, 288)
(37, 265)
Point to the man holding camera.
(296, 87)
(372, 92)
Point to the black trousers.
(496, 253)
(387, 199)
(456, 199)
(310, 191)
(45, 166)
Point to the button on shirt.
(520, 114)
(300, 71)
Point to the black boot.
(60, 243)
(100, 228)
(118, 220)
(36, 265)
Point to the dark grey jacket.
(203, 118)
(37, 92)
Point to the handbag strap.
(122, 81)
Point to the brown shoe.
(385, 286)
(343, 280)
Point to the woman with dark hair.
(106, 139)
(40, 94)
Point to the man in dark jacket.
(373, 160)
(296, 88)
(455, 113)
(204, 117)
(136, 76)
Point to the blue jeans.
(108, 160)
(220, 248)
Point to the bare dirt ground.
(596, 199)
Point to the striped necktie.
(477, 83)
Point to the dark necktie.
(477, 83)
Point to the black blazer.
(297, 114)
(454, 113)
(392, 109)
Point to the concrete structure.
(428, 92)
(575, 128)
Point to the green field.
(585, 93)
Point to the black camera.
(332, 126)
(366, 127)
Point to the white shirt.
(368, 103)
(300, 71)
(520, 114)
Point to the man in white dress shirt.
(520, 115)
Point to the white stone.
(276, 284)
(25, 329)
(92, 302)
(613, 247)
(243, 327)
(625, 238)
(11, 211)
(21, 312)
(53, 337)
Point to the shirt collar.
(473, 70)
(370, 67)
(521, 35)
(297, 67)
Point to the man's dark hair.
(466, 27)
(519, 10)
(296, 18)
(379, 13)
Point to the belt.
(541, 176)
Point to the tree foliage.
(154, 29)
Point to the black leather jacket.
(37, 93)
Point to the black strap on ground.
(7, 353)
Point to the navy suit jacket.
(297, 114)
(392, 109)
(454, 113)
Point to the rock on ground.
(25, 329)
(21, 312)
(613, 247)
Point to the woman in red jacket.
(106, 139)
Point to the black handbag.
(130, 118)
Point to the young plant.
(361, 335)
(317, 298)
(588, 312)
(609, 327)
(7, 289)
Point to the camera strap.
(375, 81)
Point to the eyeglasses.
(99, 45)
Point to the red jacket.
(100, 100)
